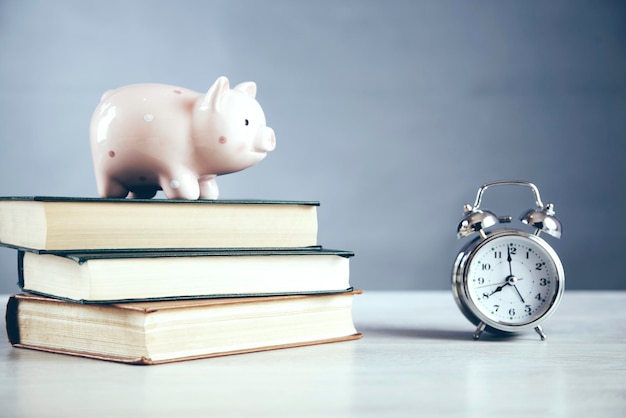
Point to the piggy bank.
(150, 137)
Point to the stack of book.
(154, 281)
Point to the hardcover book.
(160, 332)
(64, 223)
(108, 276)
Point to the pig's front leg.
(208, 187)
(180, 184)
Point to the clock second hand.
(508, 282)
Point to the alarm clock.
(508, 280)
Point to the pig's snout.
(265, 140)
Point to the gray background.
(390, 113)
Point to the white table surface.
(417, 358)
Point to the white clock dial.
(512, 279)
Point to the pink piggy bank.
(150, 137)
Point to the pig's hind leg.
(111, 188)
(208, 187)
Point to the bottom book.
(161, 332)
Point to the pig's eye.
(247, 122)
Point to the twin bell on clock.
(508, 280)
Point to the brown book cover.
(178, 330)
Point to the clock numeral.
(512, 312)
(528, 309)
(486, 295)
(539, 266)
(543, 281)
(497, 254)
(481, 280)
(486, 266)
(538, 297)
(512, 249)
(496, 307)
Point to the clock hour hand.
(499, 288)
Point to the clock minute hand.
(518, 293)
(508, 258)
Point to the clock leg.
(479, 330)
(540, 332)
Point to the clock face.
(513, 279)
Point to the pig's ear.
(213, 98)
(248, 87)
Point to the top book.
(67, 223)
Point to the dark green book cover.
(167, 201)
(77, 223)
(336, 278)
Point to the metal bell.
(475, 220)
(543, 220)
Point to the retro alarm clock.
(508, 280)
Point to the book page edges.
(23, 224)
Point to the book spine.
(13, 329)
(20, 269)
